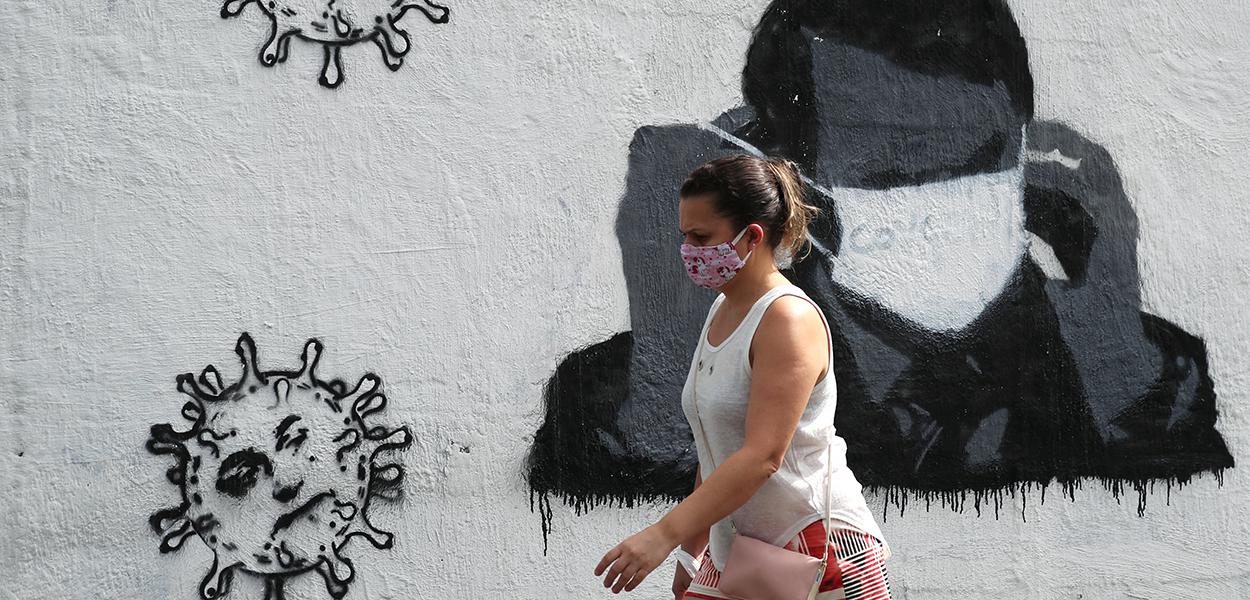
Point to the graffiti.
(869, 239)
(978, 268)
(335, 24)
(277, 472)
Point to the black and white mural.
(277, 472)
(335, 24)
(978, 267)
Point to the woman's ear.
(756, 233)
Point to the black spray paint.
(334, 27)
(277, 471)
(1057, 381)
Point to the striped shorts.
(857, 574)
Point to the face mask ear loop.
(738, 237)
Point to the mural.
(335, 24)
(277, 472)
(965, 364)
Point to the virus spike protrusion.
(397, 40)
(393, 41)
(436, 13)
(284, 46)
(281, 390)
(349, 446)
(364, 390)
(381, 540)
(344, 510)
(332, 70)
(232, 8)
(176, 535)
(188, 386)
(400, 438)
(276, 46)
(164, 440)
(389, 474)
(208, 438)
(312, 354)
(162, 520)
(387, 482)
(211, 380)
(246, 349)
(390, 59)
(216, 583)
(368, 405)
(337, 572)
(342, 24)
(192, 412)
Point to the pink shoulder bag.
(758, 570)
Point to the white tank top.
(793, 497)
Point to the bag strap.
(828, 521)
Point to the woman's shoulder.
(791, 319)
(790, 306)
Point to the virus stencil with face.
(337, 23)
(277, 472)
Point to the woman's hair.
(746, 190)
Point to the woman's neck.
(753, 281)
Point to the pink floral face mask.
(713, 266)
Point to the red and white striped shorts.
(857, 574)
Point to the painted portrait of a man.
(978, 267)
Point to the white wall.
(449, 227)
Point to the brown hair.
(746, 190)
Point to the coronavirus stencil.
(277, 472)
(335, 24)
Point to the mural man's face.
(921, 185)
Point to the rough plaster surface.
(449, 227)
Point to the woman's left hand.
(633, 559)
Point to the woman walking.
(760, 399)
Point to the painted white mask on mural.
(936, 254)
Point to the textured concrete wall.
(449, 227)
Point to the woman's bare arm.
(695, 544)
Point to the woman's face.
(700, 225)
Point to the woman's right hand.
(681, 581)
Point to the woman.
(760, 398)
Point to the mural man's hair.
(977, 40)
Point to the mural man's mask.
(936, 254)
